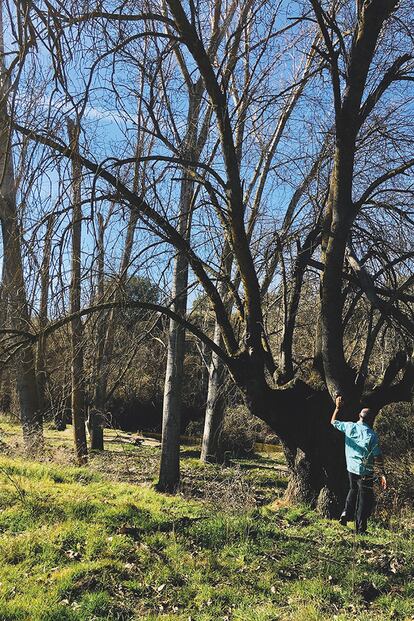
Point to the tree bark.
(96, 413)
(169, 476)
(78, 391)
(300, 414)
(41, 367)
(13, 281)
(286, 371)
(210, 449)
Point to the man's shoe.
(343, 520)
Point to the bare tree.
(337, 212)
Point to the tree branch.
(380, 180)
(392, 74)
(387, 392)
(331, 57)
(137, 202)
(164, 310)
(387, 309)
(239, 239)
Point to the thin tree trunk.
(78, 391)
(106, 335)
(213, 422)
(169, 476)
(41, 370)
(97, 412)
(210, 450)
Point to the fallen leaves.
(73, 555)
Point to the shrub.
(241, 430)
(395, 426)
(195, 429)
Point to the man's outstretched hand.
(338, 404)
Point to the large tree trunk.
(311, 482)
(300, 415)
(13, 283)
(314, 450)
(78, 391)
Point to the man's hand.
(383, 482)
(338, 404)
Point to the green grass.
(76, 544)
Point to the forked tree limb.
(387, 309)
(387, 392)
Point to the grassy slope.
(77, 544)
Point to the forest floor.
(95, 543)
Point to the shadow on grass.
(265, 467)
(194, 453)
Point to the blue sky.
(109, 129)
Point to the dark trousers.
(360, 500)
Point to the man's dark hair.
(367, 415)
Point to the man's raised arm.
(338, 404)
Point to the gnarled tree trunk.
(300, 414)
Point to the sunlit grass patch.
(79, 545)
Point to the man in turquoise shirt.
(361, 452)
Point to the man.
(361, 452)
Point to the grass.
(89, 544)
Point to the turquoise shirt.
(361, 446)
